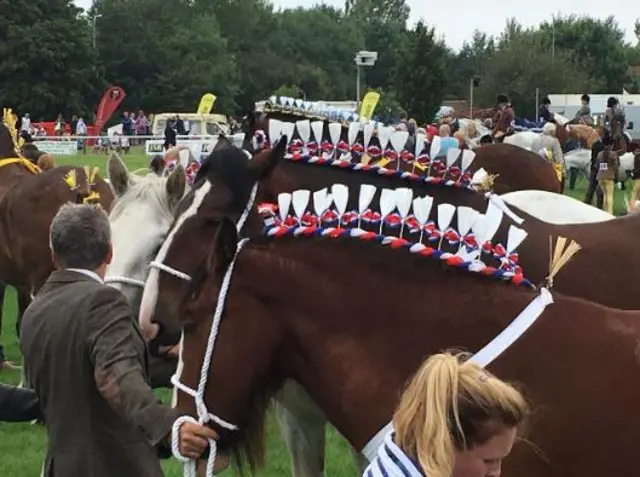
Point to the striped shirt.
(392, 462)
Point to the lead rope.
(204, 415)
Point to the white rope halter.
(243, 218)
(203, 413)
(125, 281)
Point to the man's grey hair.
(80, 236)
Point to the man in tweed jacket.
(87, 361)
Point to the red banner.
(113, 96)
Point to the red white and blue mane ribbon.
(465, 246)
(308, 145)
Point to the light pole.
(474, 82)
(93, 28)
(363, 58)
(553, 40)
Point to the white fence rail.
(200, 146)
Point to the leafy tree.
(164, 64)
(524, 65)
(47, 65)
(597, 45)
(420, 78)
(470, 62)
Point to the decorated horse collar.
(427, 166)
(402, 222)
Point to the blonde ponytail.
(451, 404)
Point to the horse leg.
(591, 188)
(2, 290)
(302, 425)
(24, 300)
(599, 198)
(573, 177)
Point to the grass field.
(22, 446)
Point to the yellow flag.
(206, 103)
(369, 103)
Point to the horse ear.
(223, 248)
(263, 164)
(222, 143)
(118, 174)
(176, 183)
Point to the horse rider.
(545, 115)
(608, 165)
(503, 119)
(548, 146)
(614, 123)
(583, 115)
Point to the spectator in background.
(545, 115)
(60, 124)
(446, 141)
(180, 129)
(81, 130)
(26, 123)
(142, 125)
(74, 124)
(127, 124)
(169, 135)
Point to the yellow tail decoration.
(71, 179)
(10, 121)
(560, 256)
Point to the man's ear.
(223, 248)
(263, 164)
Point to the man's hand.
(194, 439)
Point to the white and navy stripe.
(392, 462)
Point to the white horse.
(140, 218)
(523, 139)
(555, 208)
(581, 159)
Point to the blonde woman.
(472, 137)
(455, 419)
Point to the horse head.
(223, 187)
(173, 301)
(140, 219)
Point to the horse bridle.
(204, 415)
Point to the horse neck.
(373, 314)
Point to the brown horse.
(515, 168)
(609, 246)
(290, 175)
(28, 202)
(301, 308)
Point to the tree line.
(166, 54)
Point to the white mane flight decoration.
(307, 144)
(309, 109)
(469, 242)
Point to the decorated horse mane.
(471, 239)
(369, 150)
(307, 109)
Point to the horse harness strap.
(489, 353)
(19, 160)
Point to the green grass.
(22, 446)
